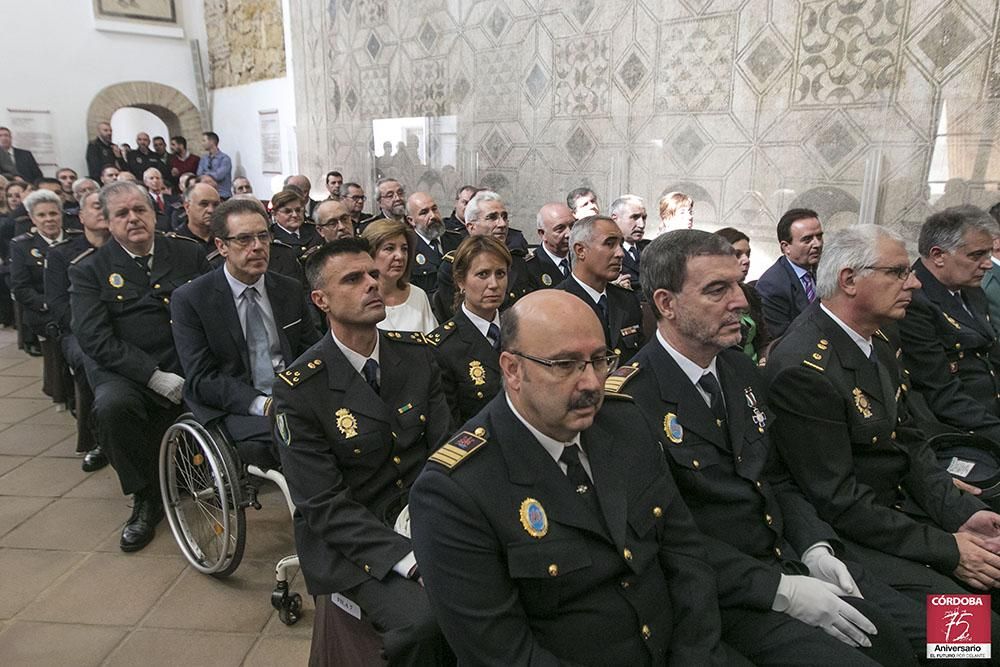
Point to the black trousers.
(254, 440)
(131, 420)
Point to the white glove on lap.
(816, 603)
(823, 565)
(168, 385)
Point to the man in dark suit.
(843, 427)
(549, 265)
(596, 245)
(200, 201)
(357, 416)
(785, 591)
(629, 213)
(949, 345)
(120, 301)
(164, 203)
(143, 157)
(991, 279)
(789, 285)
(433, 240)
(548, 530)
(102, 153)
(236, 327)
(456, 221)
(17, 161)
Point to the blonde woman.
(676, 212)
(391, 244)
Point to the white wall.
(128, 122)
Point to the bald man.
(333, 220)
(143, 157)
(552, 513)
(550, 264)
(433, 240)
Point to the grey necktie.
(258, 344)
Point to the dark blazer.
(283, 260)
(212, 347)
(953, 355)
(138, 162)
(470, 367)
(543, 271)
(757, 521)
(171, 203)
(26, 165)
(991, 288)
(629, 587)
(99, 156)
(427, 259)
(623, 331)
(125, 329)
(518, 284)
(843, 427)
(783, 296)
(631, 267)
(307, 238)
(185, 232)
(350, 456)
(27, 278)
(56, 279)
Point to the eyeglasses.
(357, 197)
(342, 220)
(393, 195)
(899, 272)
(244, 240)
(565, 368)
(496, 215)
(290, 211)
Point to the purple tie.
(810, 285)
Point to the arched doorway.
(168, 104)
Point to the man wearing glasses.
(333, 221)
(236, 327)
(785, 595)
(552, 514)
(391, 202)
(355, 200)
(949, 344)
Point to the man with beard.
(433, 241)
(357, 416)
(549, 531)
(789, 285)
(102, 153)
(142, 158)
(629, 213)
(550, 264)
(596, 245)
(485, 215)
(391, 202)
(949, 344)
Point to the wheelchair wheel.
(200, 483)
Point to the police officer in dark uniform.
(785, 591)
(433, 240)
(200, 200)
(629, 213)
(102, 153)
(486, 214)
(57, 264)
(289, 224)
(548, 530)
(949, 345)
(596, 246)
(467, 346)
(550, 263)
(357, 416)
(842, 426)
(120, 302)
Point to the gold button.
(739, 459)
(367, 568)
(759, 485)
(480, 431)
(760, 429)
(893, 435)
(768, 519)
(624, 583)
(119, 297)
(166, 300)
(357, 451)
(718, 422)
(156, 286)
(817, 356)
(627, 553)
(618, 351)
(394, 436)
(479, 394)
(657, 512)
(553, 570)
(874, 439)
(958, 346)
(696, 463)
(777, 552)
(399, 483)
(646, 632)
(397, 460)
(423, 418)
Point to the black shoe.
(141, 527)
(94, 460)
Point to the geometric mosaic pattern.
(695, 70)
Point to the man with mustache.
(433, 240)
(629, 213)
(789, 285)
(549, 530)
(785, 593)
(843, 427)
(596, 248)
(949, 344)
(356, 417)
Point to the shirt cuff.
(257, 407)
(819, 545)
(403, 567)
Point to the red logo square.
(958, 626)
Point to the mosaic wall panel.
(246, 42)
(750, 105)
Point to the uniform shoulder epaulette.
(459, 447)
(614, 382)
(83, 254)
(282, 243)
(530, 255)
(878, 332)
(818, 356)
(23, 237)
(296, 374)
(175, 235)
(60, 243)
(414, 337)
(449, 257)
(212, 255)
(72, 232)
(308, 252)
(441, 333)
(453, 231)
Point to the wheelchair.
(206, 489)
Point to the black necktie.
(493, 335)
(582, 484)
(564, 267)
(872, 357)
(710, 386)
(143, 263)
(634, 251)
(370, 371)
(602, 305)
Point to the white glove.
(402, 525)
(823, 565)
(168, 385)
(815, 603)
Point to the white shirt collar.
(692, 370)
(551, 445)
(864, 343)
(133, 255)
(799, 271)
(289, 231)
(52, 242)
(480, 323)
(995, 260)
(591, 292)
(429, 242)
(555, 260)
(238, 287)
(357, 361)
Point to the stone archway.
(168, 104)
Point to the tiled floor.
(69, 596)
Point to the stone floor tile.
(279, 651)
(12, 383)
(30, 390)
(183, 647)
(48, 416)
(15, 511)
(163, 543)
(16, 409)
(28, 367)
(42, 477)
(32, 439)
(8, 463)
(65, 448)
(27, 572)
(109, 589)
(68, 524)
(57, 644)
(101, 483)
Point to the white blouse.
(414, 314)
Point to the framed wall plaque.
(159, 11)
